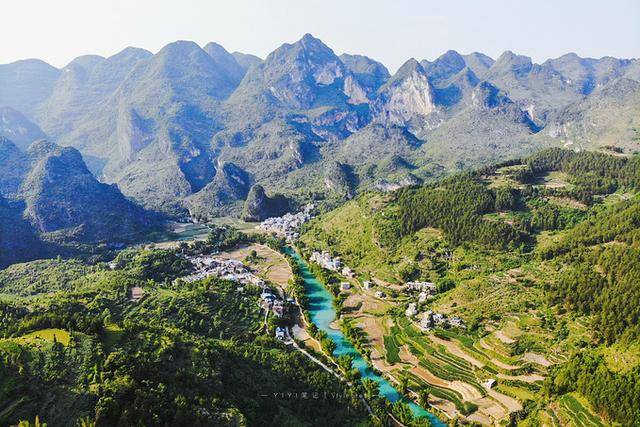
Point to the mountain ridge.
(158, 124)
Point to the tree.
(423, 397)
(403, 383)
(345, 361)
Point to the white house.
(411, 310)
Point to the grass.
(49, 335)
(521, 394)
(112, 334)
(391, 350)
(353, 231)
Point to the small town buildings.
(423, 296)
(278, 308)
(380, 294)
(411, 310)
(490, 383)
(428, 287)
(324, 260)
(347, 272)
(227, 269)
(345, 286)
(439, 319)
(267, 296)
(457, 322)
(367, 284)
(288, 225)
(426, 322)
(136, 294)
(280, 333)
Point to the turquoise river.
(322, 314)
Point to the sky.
(389, 31)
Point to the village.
(289, 224)
(271, 301)
(419, 292)
(429, 319)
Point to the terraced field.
(573, 411)
(453, 366)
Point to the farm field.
(269, 264)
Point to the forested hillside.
(538, 255)
(75, 349)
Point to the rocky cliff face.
(407, 96)
(17, 128)
(160, 125)
(14, 166)
(339, 179)
(222, 196)
(487, 97)
(370, 74)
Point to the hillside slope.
(538, 257)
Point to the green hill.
(543, 250)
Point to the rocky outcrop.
(134, 133)
(386, 185)
(369, 73)
(259, 206)
(14, 166)
(222, 196)
(340, 180)
(407, 96)
(488, 97)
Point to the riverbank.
(322, 314)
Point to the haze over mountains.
(194, 128)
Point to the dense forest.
(74, 349)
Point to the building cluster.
(227, 269)
(269, 301)
(428, 287)
(325, 260)
(288, 225)
(431, 319)
(424, 290)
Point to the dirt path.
(531, 378)
(503, 337)
(509, 402)
(536, 358)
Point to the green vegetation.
(540, 257)
(576, 413)
(391, 350)
(180, 356)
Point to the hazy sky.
(389, 31)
